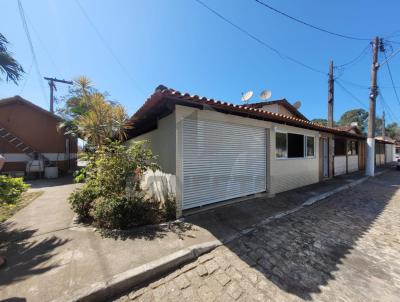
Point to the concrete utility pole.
(330, 95)
(383, 125)
(370, 165)
(52, 88)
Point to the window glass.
(310, 146)
(295, 145)
(340, 147)
(281, 145)
(353, 148)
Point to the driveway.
(346, 248)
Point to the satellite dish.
(265, 95)
(297, 105)
(247, 96)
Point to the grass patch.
(8, 210)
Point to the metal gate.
(221, 161)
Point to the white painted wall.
(352, 162)
(162, 143)
(158, 185)
(339, 164)
(389, 153)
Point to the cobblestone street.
(345, 248)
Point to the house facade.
(28, 132)
(218, 151)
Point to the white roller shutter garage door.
(221, 161)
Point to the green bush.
(11, 189)
(81, 201)
(169, 208)
(111, 196)
(121, 212)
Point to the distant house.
(28, 132)
(217, 151)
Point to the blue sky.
(182, 45)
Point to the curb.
(122, 282)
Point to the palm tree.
(8, 65)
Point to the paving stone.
(182, 282)
(222, 278)
(234, 290)
(133, 295)
(211, 266)
(201, 270)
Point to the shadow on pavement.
(180, 229)
(25, 255)
(299, 253)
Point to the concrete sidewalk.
(49, 257)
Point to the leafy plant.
(11, 189)
(112, 196)
(8, 65)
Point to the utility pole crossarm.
(53, 87)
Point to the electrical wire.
(356, 59)
(391, 78)
(28, 36)
(261, 42)
(27, 75)
(388, 109)
(387, 59)
(310, 25)
(350, 94)
(108, 47)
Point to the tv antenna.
(297, 105)
(265, 94)
(247, 96)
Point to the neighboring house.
(29, 132)
(385, 150)
(219, 151)
(349, 152)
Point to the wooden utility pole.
(370, 165)
(383, 125)
(52, 88)
(330, 95)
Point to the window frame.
(287, 146)
(306, 147)
(287, 141)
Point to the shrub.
(11, 189)
(121, 212)
(169, 208)
(81, 201)
(112, 196)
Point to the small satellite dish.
(297, 105)
(265, 95)
(247, 96)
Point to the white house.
(217, 151)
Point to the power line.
(362, 54)
(106, 45)
(388, 109)
(387, 59)
(391, 78)
(25, 25)
(261, 42)
(350, 94)
(27, 75)
(310, 25)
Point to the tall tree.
(88, 114)
(360, 116)
(8, 65)
(393, 131)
